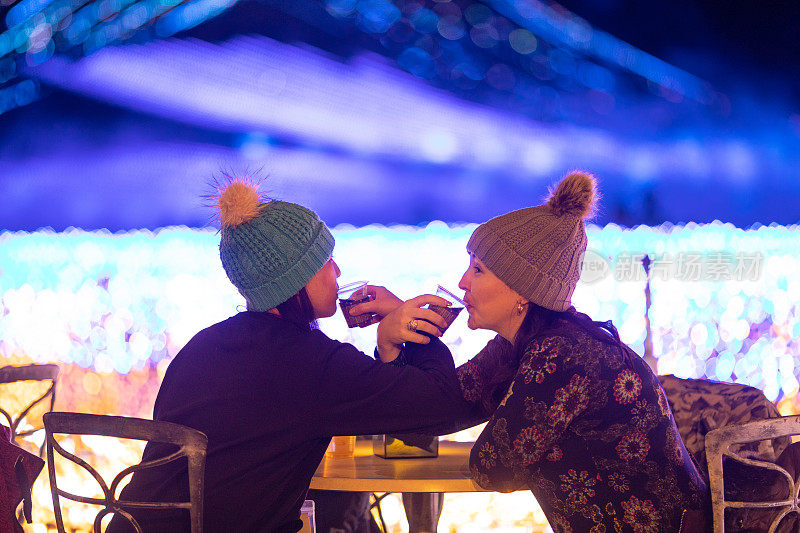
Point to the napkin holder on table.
(408, 445)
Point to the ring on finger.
(413, 324)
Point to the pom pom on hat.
(238, 202)
(575, 195)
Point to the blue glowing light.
(24, 10)
(418, 62)
(424, 20)
(376, 16)
(562, 27)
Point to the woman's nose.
(463, 282)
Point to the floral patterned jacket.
(587, 428)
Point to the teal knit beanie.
(269, 250)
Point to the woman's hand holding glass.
(405, 323)
(382, 302)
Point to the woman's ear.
(522, 305)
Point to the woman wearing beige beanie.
(574, 415)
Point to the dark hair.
(298, 309)
(538, 320)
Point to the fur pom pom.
(575, 195)
(238, 201)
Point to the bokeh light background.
(112, 309)
(114, 115)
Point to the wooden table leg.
(423, 510)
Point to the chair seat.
(749, 493)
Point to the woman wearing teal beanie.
(269, 389)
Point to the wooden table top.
(367, 472)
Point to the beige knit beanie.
(538, 251)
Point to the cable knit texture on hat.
(269, 250)
(538, 251)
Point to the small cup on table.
(342, 447)
(353, 294)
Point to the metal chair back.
(191, 444)
(13, 374)
(718, 443)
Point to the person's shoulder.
(589, 335)
(210, 335)
(263, 324)
(558, 332)
(247, 332)
(241, 320)
(550, 342)
(566, 337)
(319, 338)
(316, 344)
(499, 343)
